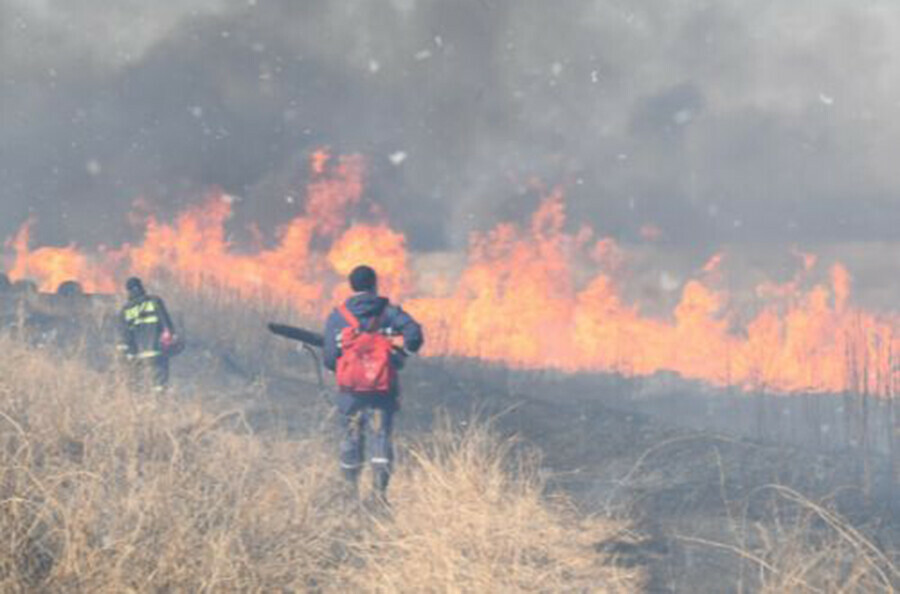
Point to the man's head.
(135, 287)
(363, 279)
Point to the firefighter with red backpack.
(360, 349)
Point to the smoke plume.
(713, 121)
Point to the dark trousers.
(367, 419)
(150, 373)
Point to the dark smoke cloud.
(715, 121)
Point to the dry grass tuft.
(820, 551)
(103, 490)
(472, 517)
(804, 546)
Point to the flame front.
(528, 296)
(52, 266)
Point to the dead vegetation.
(492, 527)
(800, 545)
(103, 490)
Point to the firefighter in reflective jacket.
(146, 334)
(358, 349)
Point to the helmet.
(134, 286)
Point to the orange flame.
(517, 303)
(528, 296)
(379, 247)
(329, 198)
(55, 265)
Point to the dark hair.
(363, 278)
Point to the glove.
(167, 339)
(171, 343)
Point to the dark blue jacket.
(366, 307)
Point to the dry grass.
(106, 491)
(103, 490)
(491, 527)
(221, 320)
(804, 546)
(820, 551)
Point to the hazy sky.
(717, 121)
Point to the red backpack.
(364, 366)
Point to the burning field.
(541, 293)
(519, 481)
(538, 312)
(653, 247)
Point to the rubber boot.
(350, 490)
(378, 501)
(380, 479)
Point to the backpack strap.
(348, 316)
(354, 321)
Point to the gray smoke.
(717, 121)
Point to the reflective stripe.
(142, 313)
(149, 354)
(380, 461)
